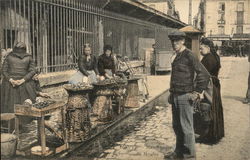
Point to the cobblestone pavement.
(151, 139)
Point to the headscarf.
(107, 47)
(20, 49)
(210, 44)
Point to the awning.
(191, 29)
(138, 10)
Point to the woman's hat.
(107, 47)
(207, 42)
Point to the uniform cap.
(177, 35)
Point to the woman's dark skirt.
(15, 95)
(216, 129)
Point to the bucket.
(8, 144)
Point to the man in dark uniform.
(188, 80)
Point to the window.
(222, 16)
(240, 17)
(240, 7)
(221, 7)
(239, 29)
(221, 30)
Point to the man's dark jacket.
(188, 74)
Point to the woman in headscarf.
(106, 63)
(211, 61)
(18, 70)
(87, 64)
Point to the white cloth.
(78, 77)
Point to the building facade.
(225, 20)
(231, 17)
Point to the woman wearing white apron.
(87, 64)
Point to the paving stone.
(120, 143)
(130, 143)
(122, 151)
(140, 134)
(150, 135)
(149, 138)
(133, 153)
(109, 151)
(117, 147)
(110, 156)
(140, 144)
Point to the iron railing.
(55, 31)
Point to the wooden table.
(28, 110)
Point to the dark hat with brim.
(177, 35)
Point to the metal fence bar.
(61, 37)
(6, 25)
(28, 25)
(77, 32)
(11, 25)
(54, 36)
(36, 35)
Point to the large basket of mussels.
(78, 87)
(110, 83)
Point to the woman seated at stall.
(106, 63)
(87, 64)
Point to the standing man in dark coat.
(188, 80)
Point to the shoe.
(173, 155)
(188, 157)
(246, 101)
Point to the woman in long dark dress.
(18, 70)
(211, 61)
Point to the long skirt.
(216, 128)
(15, 95)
